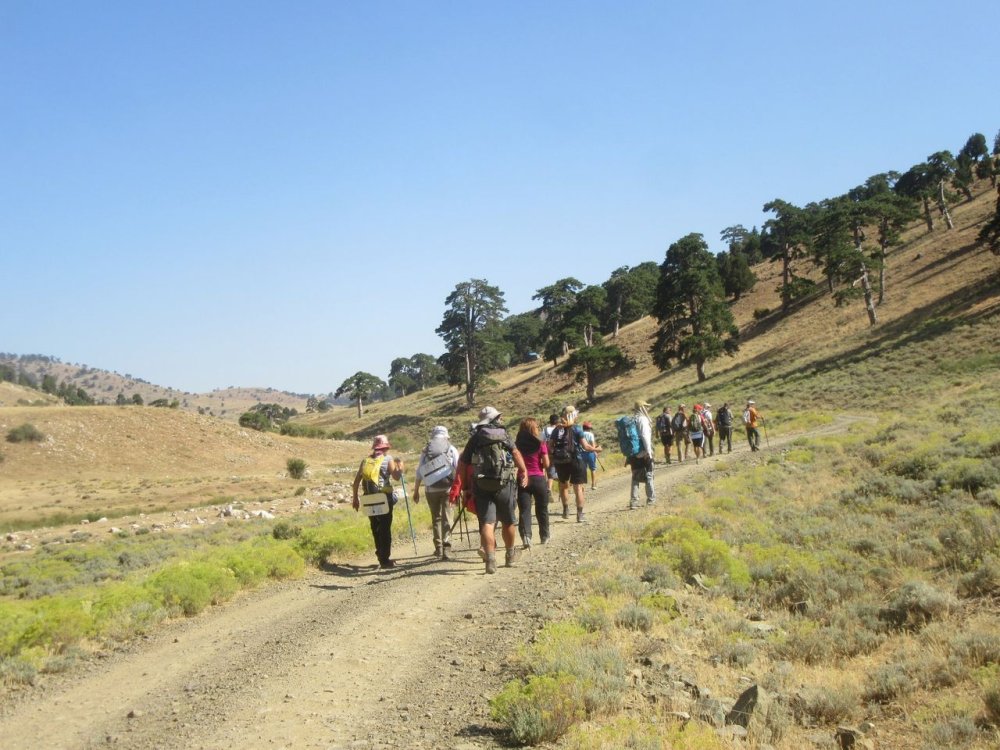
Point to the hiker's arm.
(397, 468)
(355, 503)
(522, 470)
(456, 487)
(416, 488)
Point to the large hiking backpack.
(725, 418)
(678, 422)
(437, 471)
(628, 435)
(746, 416)
(492, 464)
(563, 445)
(709, 424)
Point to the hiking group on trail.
(505, 481)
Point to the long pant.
(537, 490)
(753, 437)
(726, 436)
(441, 515)
(642, 472)
(710, 442)
(382, 534)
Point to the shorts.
(698, 441)
(681, 437)
(502, 505)
(591, 460)
(666, 438)
(572, 473)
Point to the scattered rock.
(849, 738)
(135, 714)
(743, 708)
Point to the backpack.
(663, 425)
(492, 463)
(628, 436)
(709, 425)
(746, 417)
(437, 471)
(725, 418)
(695, 424)
(563, 445)
(371, 475)
(678, 421)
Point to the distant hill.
(105, 386)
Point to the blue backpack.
(628, 436)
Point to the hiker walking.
(375, 475)
(545, 437)
(536, 461)
(642, 462)
(566, 448)
(496, 466)
(708, 422)
(590, 457)
(679, 424)
(724, 421)
(437, 470)
(751, 420)
(696, 431)
(665, 431)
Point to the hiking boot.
(526, 544)
(510, 557)
(650, 502)
(565, 511)
(388, 564)
(633, 506)
(491, 563)
(580, 517)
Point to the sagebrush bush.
(634, 617)
(916, 604)
(888, 683)
(188, 588)
(25, 433)
(541, 709)
(689, 549)
(826, 704)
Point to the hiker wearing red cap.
(375, 475)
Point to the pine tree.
(696, 325)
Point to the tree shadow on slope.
(388, 425)
(925, 324)
(938, 265)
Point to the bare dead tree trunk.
(943, 206)
(618, 318)
(869, 303)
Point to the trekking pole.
(601, 463)
(406, 498)
(766, 438)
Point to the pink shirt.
(533, 461)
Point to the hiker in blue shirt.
(642, 462)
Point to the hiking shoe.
(491, 563)
(388, 564)
(650, 502)
(565, 511)
(510, 557)
(633, 506)
(580, 517)
(526, 544)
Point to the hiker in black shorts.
(665, 431)
(724, 421)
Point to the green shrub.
(916, 604)
(984, 581)
(991, 703)
(318, 543)
(296, 468)
(190, 587)
(285, 530)
(825, 705)
(888, 683)
(542, 709)
(689, 549)
(124, 610)
(26, 433)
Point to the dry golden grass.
(106, 460)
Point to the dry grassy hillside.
(104, 387)
(16, 395)
(110, 459)
(933, 275)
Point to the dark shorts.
(500, 505)
(572, 473)
(697, 441)
(666, 438)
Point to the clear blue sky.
(205, 194)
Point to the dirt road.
(346, 658)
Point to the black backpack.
(678, 421)
(492, 463)
(562, 445)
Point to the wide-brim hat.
(486, 415)
(380, 441)
(440, 431)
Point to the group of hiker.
(506, 479)
(699, 429)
